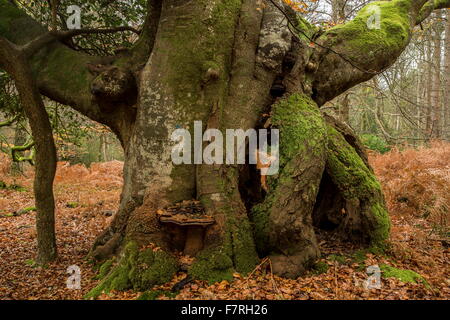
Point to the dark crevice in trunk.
(328, 205)
(250, 186)
(337, 218)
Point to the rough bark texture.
(283, 222)
(229, 63)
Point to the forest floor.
(417, 188)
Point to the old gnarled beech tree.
(226, 63)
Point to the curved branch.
(27, 146)
(372, 41)
(33, 46)
(63, 75)
(429, 7)
(8, 122)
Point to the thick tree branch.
(372, 42)
(35, 45)
(429, 7)
(62, 74)
(144, 46)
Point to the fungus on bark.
(190, 221)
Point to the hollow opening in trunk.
(336, 218)
(329, 209)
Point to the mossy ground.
(426, 259)
(402, 275)
(357, 257)
(136, 269)
(320, 267)
(360, 256)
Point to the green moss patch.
(25, 210)
(391, 35)
(302, 131)
(320, 267)
(357, 183)
(338, 258)
(104, 269)
(17, 187)
(301, 125)
(139, 270)
(72, 204)
(212, 265)
(403, 275)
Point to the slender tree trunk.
(429, 100)
(419, 102)
(436, 83)
(17, 65)
(344, 108)
(103, 149)
(338, 11)
(446, 120)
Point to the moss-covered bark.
(136, 269)
(229, 244)
(283, 222)
(260, 43)
(351, 197)
(362, 47)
